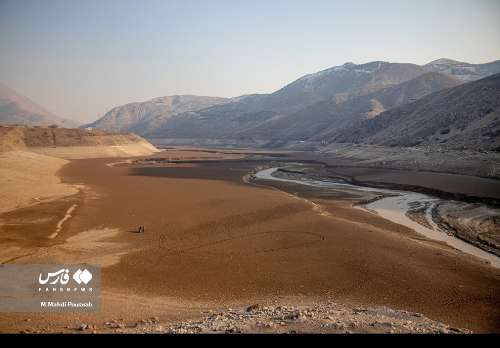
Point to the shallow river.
(394, 208)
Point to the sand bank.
(28, 178)
(396, 209)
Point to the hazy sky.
(80, 58)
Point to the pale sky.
(79, 59)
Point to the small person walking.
(141, 229)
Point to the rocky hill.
(318, 120)
(17, 109)
(466, 116)
(340, 83)
(146, 116)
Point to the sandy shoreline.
(28, 178)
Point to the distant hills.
(144, 117)
(18, 109)
(342, 103)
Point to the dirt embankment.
(474, 223)
(30, 158)
(11, 138)
(73, 143)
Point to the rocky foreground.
(319, 318)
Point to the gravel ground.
(318, 318)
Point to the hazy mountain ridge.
(140, 117)
(314, 107)
(466, 116)
(338, 83)
(324, 116)
(18, 109)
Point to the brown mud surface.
(211, 241)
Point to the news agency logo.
(50, 287)
(61, 278)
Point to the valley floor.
(215, 241)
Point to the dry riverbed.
(333, 269)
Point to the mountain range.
(318, 108)
(444, 102)
(319, 119)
